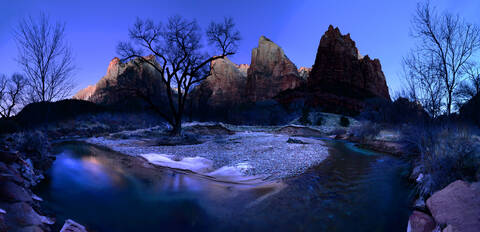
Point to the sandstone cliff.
(122, 76)
(226, 86)
(270, 72)
(339, 69)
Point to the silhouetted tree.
(445, 42)
(424, 82)
(11, 94)
(180, 57)
(45, 58)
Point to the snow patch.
(205, 167)
(195, 164)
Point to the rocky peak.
(85, 93)
(270, 72)
(341, 70)
(243, 68)
(133, 72)
(304, 72)
(113, 66)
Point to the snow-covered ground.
(245, 153)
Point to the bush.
(305, 118)
(344, 121)
(33, 143)
(445, 154)
(366, 131)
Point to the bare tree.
(424, 82)
(45, 58)
(11, 94)
(450, 40)
(180, 57)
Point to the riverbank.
(207, 148)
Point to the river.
(352, 190)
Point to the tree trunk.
(176, 127)
(449, 103)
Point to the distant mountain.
(339, 81)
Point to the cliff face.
(225, 87)
(270, 72)
(131, 75)
(339, 81)
(340, 69)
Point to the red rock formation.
(132, 74)
(86, 93)
(225, 87)
(304, 72)
(270, 72)
(339, 69)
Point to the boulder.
(457, 205)
(420, 222)
(11, 192)
(270, 72)
(22, 215)
(72, 226)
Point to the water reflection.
(353, 190)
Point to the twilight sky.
(94, 28)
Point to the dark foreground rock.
(19, 206)
(457, 206)
(72, 226)
(420, 222)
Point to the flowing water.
(352, 190)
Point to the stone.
(72, 226)
(449, 228)
(11, 192)
(420, 222)
(3, 227)
(457, 205)
(21, 215)
(270, 72)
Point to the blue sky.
(94, 28)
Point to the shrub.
(34, 143)
(344, 121)
(445, 153)
(366, 130)
(305, 118)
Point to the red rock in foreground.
(420, 222)
(458, 206)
